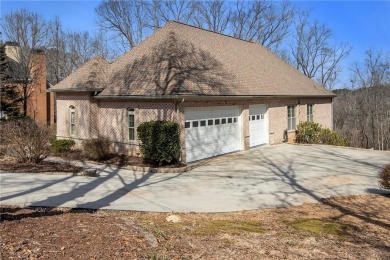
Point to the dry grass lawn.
(353, 227)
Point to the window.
(210, 122)
(310, 114)
(188, 124)
(262, 116)
(230, 120)
(291, 120)
(223, 120)
(203, 123)
(217, 121)
(235, 120)
(253, 118)
(72, 121)
(195, 123)
(130, 114)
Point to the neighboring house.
(40, 104)
(227, 94)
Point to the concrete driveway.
(263, 177)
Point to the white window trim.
(72, 110)
(131, 111)
(310, 117)
(294, 127)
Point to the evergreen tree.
(9, 105)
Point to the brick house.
(40, 103)
(227, 94)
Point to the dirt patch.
(64, 233)
(10, 165)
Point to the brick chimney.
(41, 103)
(12, 50)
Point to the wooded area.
(361, 112)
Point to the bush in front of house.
(97, 148)
(61, 146)
(25, 141)
(384, 177)
(160, 141)
(314, 133)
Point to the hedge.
(160, 142)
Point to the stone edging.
(159, 170)
(47, 173)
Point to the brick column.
(180, 119)
(245, 125)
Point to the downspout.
(331, 115)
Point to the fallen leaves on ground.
(362, 223)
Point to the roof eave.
(208, 97)
(74, 90)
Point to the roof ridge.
(207, 30)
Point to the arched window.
(72, 121)
(131, 123)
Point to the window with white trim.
(310, 114)
(72, 120)
(131, 123)
(291, 119)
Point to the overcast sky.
(364, 24)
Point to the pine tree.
(9, 107)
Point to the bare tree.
(125, 20)
(274, 23)
(82, 47)
(29, 30)
(245, 19)
(314, 53)
(213, 15)
(177, 10)
(264, 21)
(374, 71)
(56, 52)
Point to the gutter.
(75, 90)
(204, 97)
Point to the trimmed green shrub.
(160, 141)
(308, 132)
(328, 136)
(314, 133)
(384, 177)
(61, 146)
(97, 148)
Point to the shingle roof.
(181, 59)
(91, 75)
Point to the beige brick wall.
(109, 118)
(81, 102)
(277, 113)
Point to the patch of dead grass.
(318, 226)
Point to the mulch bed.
(46, 233)
(10, 165)
(118, 160)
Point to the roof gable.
(180, 59)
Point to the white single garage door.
(211, 131)
(258, 125)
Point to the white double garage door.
(212, 131)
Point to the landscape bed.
(350, 227)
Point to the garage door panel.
(258, 125)
(218, 134)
